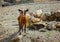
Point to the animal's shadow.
(8, 39)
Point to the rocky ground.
(9, 23)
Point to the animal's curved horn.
(27, 10)
(19, 10)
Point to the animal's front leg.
(20, 28)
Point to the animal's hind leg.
(25, 29)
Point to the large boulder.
(58, 25)
(51, 25)
(35, 20)
(38, 13)
(52, 16)
(57, 14)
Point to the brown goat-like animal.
(22, 20)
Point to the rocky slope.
(9, 23)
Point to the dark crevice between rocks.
(36, 26)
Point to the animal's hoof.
(19, 33)
(24, 34)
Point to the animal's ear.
(27, 10)
(19, 10)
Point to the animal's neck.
(24, 15)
